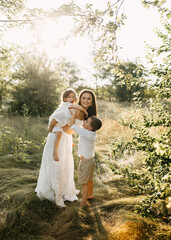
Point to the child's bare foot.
(87, 204)
(90, 197)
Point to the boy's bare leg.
(84, 195)
(90, 190)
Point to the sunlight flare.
(52, 31)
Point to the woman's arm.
(79, 107)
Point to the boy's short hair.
(96, 123)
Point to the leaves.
(10, 143)
(126, 78)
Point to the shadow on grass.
(101, 233)
(25, 217)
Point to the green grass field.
(111, 215)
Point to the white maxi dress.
(56, 179)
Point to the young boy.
(87, 138)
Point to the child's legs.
(84, 193)
(85, 177)
(90, 190)
(90, 182)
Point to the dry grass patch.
(124, 225)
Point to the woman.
(56, 179)
(87, 100)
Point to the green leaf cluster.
(126, 78)
(10, 143)
(153, 179)
(38, 83)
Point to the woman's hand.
(78, 107)
(83, 110)
(78, 114)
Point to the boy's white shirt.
(87, 140)
(62, 115)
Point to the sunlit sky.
(137, 30)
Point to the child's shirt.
(86, 141)
(62, 115)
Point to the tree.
(87, 21)
(36, 86)
(69, 73)
(38, 83)
(161, 69)
(5, 64)
(125, 78)
(153, 179)
(10, 8)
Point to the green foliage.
(153, 178)
(125, 78)
(120, 147)
(10, 143)
(38, 84)
(160, 5)
(159, 57)
(10, 7)
(104, 23)
(5, 64)
(159, 114)
(37, 88)
(69, 73)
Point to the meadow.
(111, 214)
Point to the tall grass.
(23, 216)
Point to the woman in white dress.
(56, 178)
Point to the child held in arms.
(62, 115)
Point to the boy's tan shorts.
(86, 171)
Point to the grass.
(110, 217)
